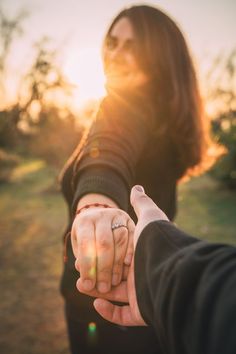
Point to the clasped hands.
(105, 257)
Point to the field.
(32, 219)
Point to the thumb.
(140, 201)
(144, 205)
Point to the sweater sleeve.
(109, 156)
(186, 290)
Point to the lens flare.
(92, 327)
(92, 272)
(92, 335)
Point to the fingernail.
(139, 188)
(128, 259)
(87, 284)
(103, 287)
(115, 279)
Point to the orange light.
(84, 70)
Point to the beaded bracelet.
(87, 206)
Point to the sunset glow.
(79, 40)
(84, 71)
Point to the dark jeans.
(109, 338)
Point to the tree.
(34, 124)
(9, 30)
(43, 77)
(223, 96)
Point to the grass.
(207, 210)
(32, 219)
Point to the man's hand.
(127, 315)
(145, 209)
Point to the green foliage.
(224, 128)
(207, 210)
(9, 133)
(54, 137)
(36, 125)
(224, 123)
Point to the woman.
(148, 131)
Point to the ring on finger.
(117, 225)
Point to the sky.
(77, 27)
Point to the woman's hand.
(129, 314)
(102, 253)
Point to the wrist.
(92, 205)
(92, 198)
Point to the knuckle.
(103, 243)
(81, 227)
(120, 212)
(84, 219)
(101, 212)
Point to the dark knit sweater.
(186, 290)
(123, 148)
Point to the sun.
(84, 71)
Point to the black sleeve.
(108, 159)
(186, 289)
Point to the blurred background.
(51, 80)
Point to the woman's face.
(120, 64)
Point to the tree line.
(34, 126)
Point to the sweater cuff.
(101, 181)
(158, 241)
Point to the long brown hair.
(163, 55)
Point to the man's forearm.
(182, 285)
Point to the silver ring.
(117, 225)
